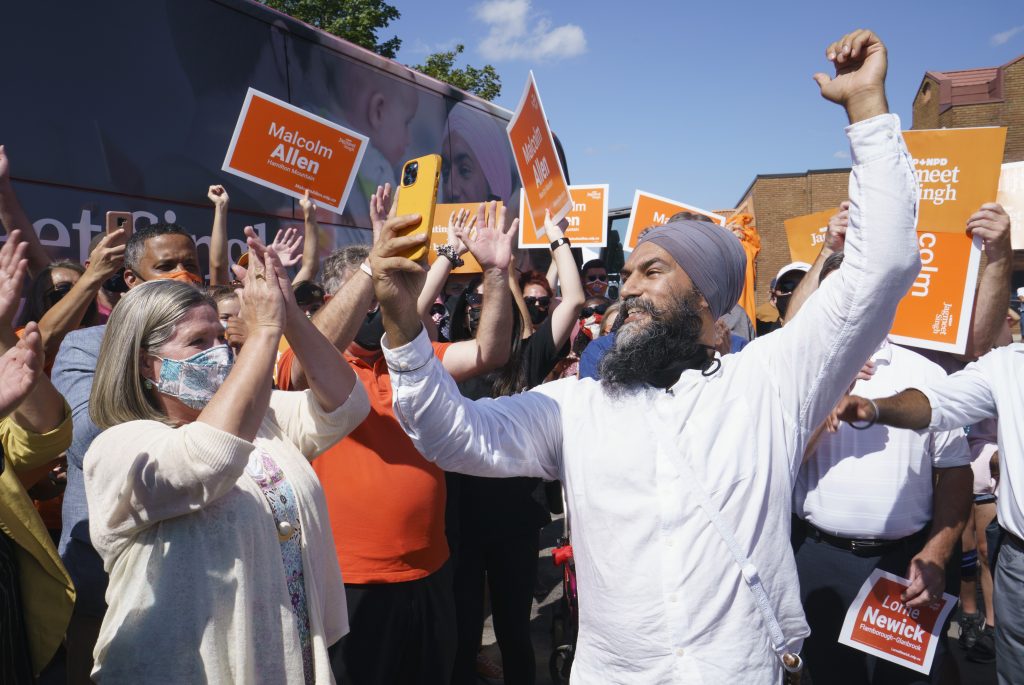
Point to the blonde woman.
(206, 512)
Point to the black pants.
(510, 566)
(830, 578)
(399, 633)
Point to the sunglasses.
(597, 277)
(786, 287)
(474, 299)
(588, 312)
(57, 293)
(542, 301)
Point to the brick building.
(975, 97)
(773, 198)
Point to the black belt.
(866, 546)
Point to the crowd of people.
(287, 471)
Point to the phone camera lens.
(410, 174)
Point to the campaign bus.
(131, 106)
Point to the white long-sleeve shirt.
(985, 389)
(661, 598)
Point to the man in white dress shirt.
(679, 476)
(864, 499)
(988, 388)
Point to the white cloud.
(419, 47)
(841, 154)
(1004, 37)
(517, 34)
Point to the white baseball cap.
(792, 266)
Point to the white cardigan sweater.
(197, 586)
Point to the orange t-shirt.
(386, 502)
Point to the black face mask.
(371, 331)
(537, 315)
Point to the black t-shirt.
(504, 506)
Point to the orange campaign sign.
(879, 623)
(806, 235)
(959, 171)
(533, 147)
(588, 220)
(1011, 197)
(439, 235)
(654, 210)
(282, 147)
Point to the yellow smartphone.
(418, 195)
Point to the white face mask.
(196, 379)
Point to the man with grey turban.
(678, 465)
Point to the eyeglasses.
(542, 301)
(597, 277)
(588, 312)
(474, 299)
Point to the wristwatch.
(555, 244)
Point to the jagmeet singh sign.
(282, 147)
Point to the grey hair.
(143, 320)
(340, 264)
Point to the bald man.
(678, 465)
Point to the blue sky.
(692, 100)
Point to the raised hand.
(835, 236)
(218, 196)
(382, 206)
(461, 221)
(308, 206)
(491, 243)
(552, 230)
(397, 280)
(860, 63)
(991, 223)
(108, 256)
(13, 267)
(288, 246)
(263, 302)
(20, 368)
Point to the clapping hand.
(460, 222)
(381, 204)
(20, 368)
(13, 266)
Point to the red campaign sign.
(879, 623)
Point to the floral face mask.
(196, 379)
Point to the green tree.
(357, 21)
(483, 82)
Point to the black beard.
(655, 352)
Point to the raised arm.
(239, 405)
(463, 220)
(340, 318)
(310, 242)
(219, 273)
(491, 244)
(812, 360)
(835, 236)
(67, 314)
(511, 436)
(42, 409)
(13, 217)
(992, 224)
(565, 315)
